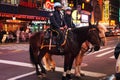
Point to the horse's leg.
(68, 61)
(33, 50)
(49, 62)
(78, 62)
(41, 55)
(71, 59)
(46, 62)
(77, 65)
(66, 65)
(52, 62)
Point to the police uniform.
(57, 21)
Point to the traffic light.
(87, 6)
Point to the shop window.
(40, 3)
(10, 1)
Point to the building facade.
(110, 12)
(15, 14)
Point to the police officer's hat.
(68, 8)
(57, 4)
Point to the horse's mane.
(77, 37)
(80, 29)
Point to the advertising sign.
(84, 18)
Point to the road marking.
(59, 69)
(88, 73)
(16, 51)
(112, 57)
(15, 47)
(16, 63)
(105, 53)
(102, 50)
(21, 76)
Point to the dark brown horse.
(74, 40)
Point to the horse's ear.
(97, 23)
(90, 25)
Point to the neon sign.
(8, 15)
(49, 5)
(27, 4)
(106, 11)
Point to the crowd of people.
(14, 36)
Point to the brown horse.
(74, 40)
(50, 63)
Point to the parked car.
(110, 32)
(117, 31)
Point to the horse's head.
(102, 30)
(93, 37)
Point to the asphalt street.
(15, 63)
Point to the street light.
(87, 1)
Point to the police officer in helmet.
(57, 22)
(68, 18)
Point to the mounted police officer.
(68, 18)
(57, 22)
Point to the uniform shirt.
(56, 19)
(69, 22)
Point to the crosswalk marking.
(16, 51)
(19, 47)
(112, 57)
(23, 64)
(104, 49)
(105, 53)
(15, 47)
(16, 63)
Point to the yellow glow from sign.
(106, 11)
(75, 15)
(51, 0)
(112, 22)
(83, 5)
(87, 0)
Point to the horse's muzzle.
(96, 48)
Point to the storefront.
(14, 17)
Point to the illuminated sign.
(106, 11)
(84, 18)
(49, 5)
(8, 15)
(28, 4)
(119, 14)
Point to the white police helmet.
(68, 8)
(57, 4)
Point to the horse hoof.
(64, 78)
(69, 76)
(43, 75)
(53, 69)
(40, 76)
(82, 74)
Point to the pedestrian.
(117, 57)
(18, 35)
(57, 22)
(68, 18)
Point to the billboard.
(84, 18)
(119, 14)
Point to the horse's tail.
(32, 59)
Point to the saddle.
(50, 38)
